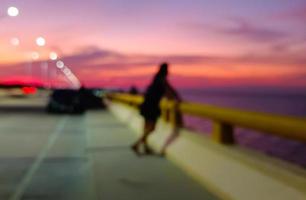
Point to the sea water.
(281, 103)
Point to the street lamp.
(34, 56)
(52, 56)
(71, 77)
(12, 11)
(40, 41)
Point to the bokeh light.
(12, 11)
(53, 56)
(15, 41)
(40, 41)
(67, 71)
(60, 64)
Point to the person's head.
(161, 75)
(163, 70)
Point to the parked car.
(65, 101)
(74, 101)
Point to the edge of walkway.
(230, 172)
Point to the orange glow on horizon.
(108, 45)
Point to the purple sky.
(121, 42)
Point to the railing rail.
(225, 119)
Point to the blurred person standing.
(150, 109)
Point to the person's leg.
(169, 140)
(179, 123)
(148, 128)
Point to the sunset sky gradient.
(209, 43)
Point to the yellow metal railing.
(225, 119)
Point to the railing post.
(164, 110)
(172, 113)
(223, 133)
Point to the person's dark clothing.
(150, 109)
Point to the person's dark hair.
(161, 74)
(163, 70)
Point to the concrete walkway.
(81, 157)
(120, 174)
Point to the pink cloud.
(246, 30)
(99, 67)
(240, 28)
(296, 14)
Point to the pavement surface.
(80, 157)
